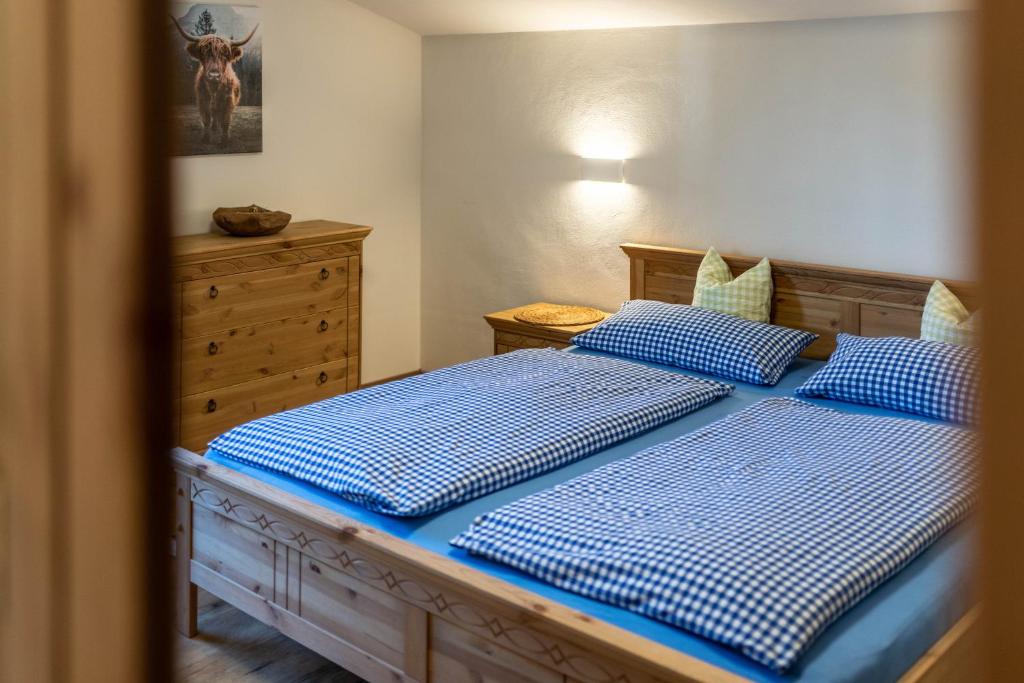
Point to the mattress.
(877, 640)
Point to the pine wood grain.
(232, 646)
(457, 656)
(84, 182)
(28, 346)
(953, 658)
(191, 249)
(253, 352)
(211, 413)
(266, 324)
(1000, 141)
(221, 303)
(825, 300)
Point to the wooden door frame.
(29, 522)
(1000, 221)
(80, 219)
(84, 360)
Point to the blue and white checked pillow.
(756, 531)
(698, 339)
(421, 444)
(917, 376)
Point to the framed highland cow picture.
(218, 79)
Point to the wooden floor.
(232, 646)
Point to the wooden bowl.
(250, 221)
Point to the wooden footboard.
(385, 609)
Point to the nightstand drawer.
(232, 301)
(207, 415)
(511, 342)
(511, 334)
(257, 351)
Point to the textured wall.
(341, 140)
(838, 142)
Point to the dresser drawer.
(257, 351)
(235, 300)
(207, 415)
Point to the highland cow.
(218, 90)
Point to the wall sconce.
(603, 170)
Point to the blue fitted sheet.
(877, 640)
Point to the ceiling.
(440, 17)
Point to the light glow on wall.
(603, 170)
(603, 141)
(604, 191)
(601, 203)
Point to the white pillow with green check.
(747, 296)
(946, 319)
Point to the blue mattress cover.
(878, 640)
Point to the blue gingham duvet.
(756, 531)
(422, 444)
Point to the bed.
(389, 600)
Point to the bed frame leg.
(187, 622)
(184, 590)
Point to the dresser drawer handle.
(214, 291)
(322, 378)
(211, 406)
(212, 349)
(324, 273)
(323, 325)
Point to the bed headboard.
(820, 299)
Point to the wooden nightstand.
(511, 334)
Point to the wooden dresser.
(264, 323)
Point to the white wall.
(341, 140)
(838, 142)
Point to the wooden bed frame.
(390, 611)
